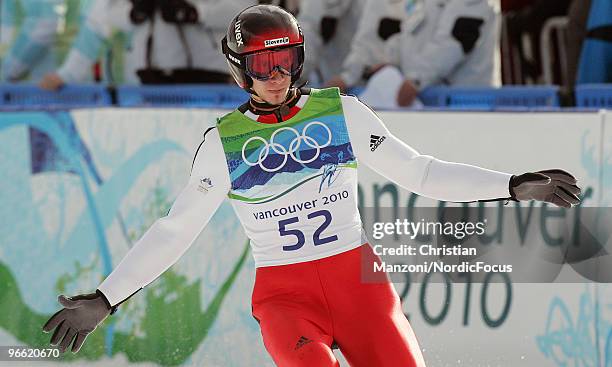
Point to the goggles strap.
(233, 57)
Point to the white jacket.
(203, 38)
(367, 47)
(325, 58)
(453, 42)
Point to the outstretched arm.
(169, 237)
(425, 175)
(160, 247)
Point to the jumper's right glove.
(552, 186)
(79, 317)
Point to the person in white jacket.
(329, 27)
(379, 21)
(444, 42)
(29, 38)
(170, 41)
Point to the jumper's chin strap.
(280, 110)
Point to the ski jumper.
(293, 185)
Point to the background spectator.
(379, 21)
(171, 42)
(329, 27)
(451, 43)
(31, 36)
(96, 30)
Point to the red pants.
(304, 308)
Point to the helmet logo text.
(238, 33)
(237, 61)
(276, 42)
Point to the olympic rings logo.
(294, 146)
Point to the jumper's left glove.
(552, 186)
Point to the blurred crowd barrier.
(24, 96)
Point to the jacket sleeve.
(457, 33)
(367, 47)
(102, 18)
(425, 175)
(169, 237)
(318, 18)
(35, 38)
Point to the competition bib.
(294, 183)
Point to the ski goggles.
(263, 65)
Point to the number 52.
(299, 235)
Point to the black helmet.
(253, 34)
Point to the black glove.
(552, 186)
(79, 317)
(178, 11)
